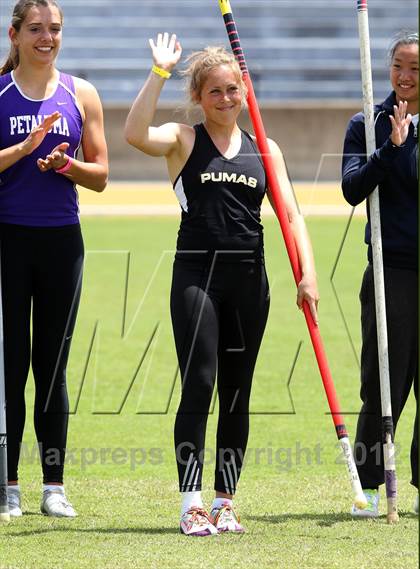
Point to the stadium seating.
(306, 50)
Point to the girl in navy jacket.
(393, 168)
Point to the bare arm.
(92, 173)
(307, 288)
(155, 141)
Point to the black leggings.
(219, 312)
(41, 270)
(401, 291)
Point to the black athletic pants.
(219, 311)
(41, 271)
(401, 290)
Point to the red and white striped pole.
(280, 210)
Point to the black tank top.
(221, 200)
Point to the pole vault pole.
(378, 272)
(359, 498)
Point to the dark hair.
(403, 37)
(20, 12)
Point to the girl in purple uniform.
(45, 116)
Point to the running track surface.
(158, 198)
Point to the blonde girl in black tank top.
(220, 293)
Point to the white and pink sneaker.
(197, 522)
(225, 519)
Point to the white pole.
(378, 271)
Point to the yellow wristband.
(161, 72)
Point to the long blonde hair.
(20, 12)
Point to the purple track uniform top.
(28, 196)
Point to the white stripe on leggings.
(188, 487)
(186, 471)
(228, 491)
(232, 485)
(194, 486)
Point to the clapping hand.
(56, 159)
(37, 135)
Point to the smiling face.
(221, 96)
(38, 40)
(404, 74)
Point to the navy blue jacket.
(395, 171)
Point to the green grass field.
(294, 495)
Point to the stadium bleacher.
(305, 50)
